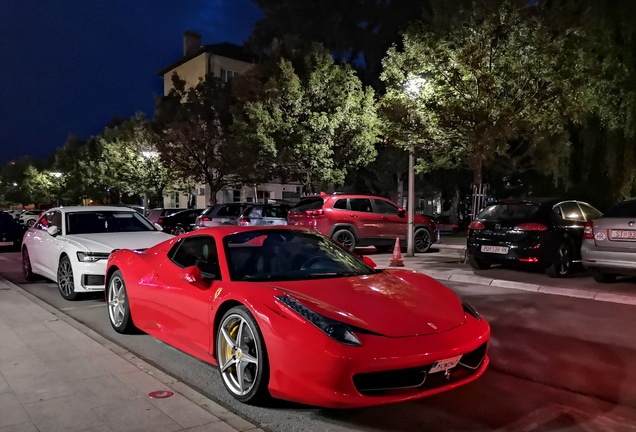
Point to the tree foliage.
(487, 83)
(358, 31)
(130, 161)
(196, 140)
(310, 118)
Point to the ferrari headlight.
(91, 257)
(334, 329)
(469, 309)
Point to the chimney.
(191, 42)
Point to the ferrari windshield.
(288, 255)
(96, 222)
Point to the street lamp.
(57, 176)
(148, 155)
(412, 86)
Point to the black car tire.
(478, 264)
(178, 230)
(239, 322)
(118, 305)
(422, 240)
(27, 271)
(65, 283)
(345, 238)
(30, 222)
(603, 277)
(561, 266)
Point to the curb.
(522, 286)
(223, 414)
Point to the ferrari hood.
(392, 303)
(106, 242)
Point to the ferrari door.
(183, 304)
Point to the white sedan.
(70, 245)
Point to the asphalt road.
(557, 363)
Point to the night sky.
(71, 66)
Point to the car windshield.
(288, 255)
(509, 211)
(95, 222)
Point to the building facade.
(225, 61)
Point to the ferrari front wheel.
(118, 306)
(242, 357)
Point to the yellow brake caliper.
(228, 349)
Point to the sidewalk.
(446, 262)
(58, 375)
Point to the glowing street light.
(412, 86)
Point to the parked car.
(11, 231)
(159, 213)
(180, 222)
(221, 214)
(609, 243)
(361, 220)
(29, 217)
(70, 245)
(384, 335)
(542, 232)
(264, 214)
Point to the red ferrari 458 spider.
(287, 313)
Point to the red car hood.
(394, 303)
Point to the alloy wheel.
(117, 302)
(238, 355)
(65, 278)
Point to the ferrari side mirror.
(191, 274)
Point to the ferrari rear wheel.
(65, 281)
(118, 306)
(242, 357)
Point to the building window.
(236, 195)
(227, 75)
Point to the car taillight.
(476, 226)
(243, 221)
(205, 219)
(318, 212)
(588, 231)
(160, 221)
(530, 226)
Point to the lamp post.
(57, 176)
(148, 155)
(413, 86)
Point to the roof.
(93, 208)
(224, 49)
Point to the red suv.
(361, 220)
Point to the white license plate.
(442, 365)
(6, 243)
(495, 249)
(623, 234)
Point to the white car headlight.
(91, 257)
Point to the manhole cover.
(160, 394)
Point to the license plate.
(623, 234)
(495, 249)
(6, 243)
(442, 365)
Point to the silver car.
(264, 214)
(609, 243)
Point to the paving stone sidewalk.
(58, 375)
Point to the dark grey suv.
(220, 214)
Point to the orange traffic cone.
(396, 261)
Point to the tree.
(359, 31)
(309, 117)
(485, 84)
(131, 162)
(39, 186)
(196, 141)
